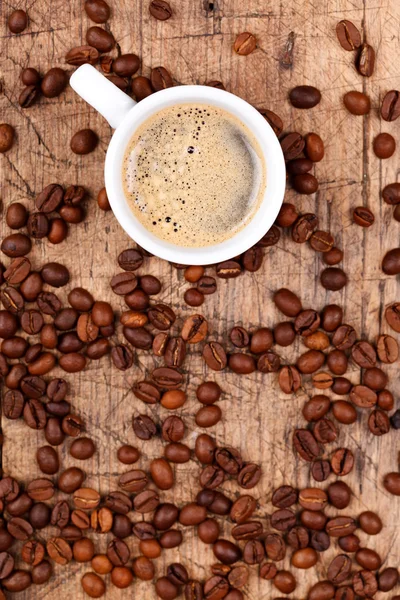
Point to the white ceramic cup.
(125, 116)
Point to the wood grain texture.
(196, 46)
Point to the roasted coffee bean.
(245, 43)
(285, 582)
(175, 352)
(204, 448)
(194, 329)
(208, 416)
(7, 564)
(144, 427)
(365, 584)
(143, 568)
(316, 408)
(339, 569)
(130, 260)
(364, 354)
(93, 585)
(39, 515)
(392, 315)
(288, 213)
(207, 285)
(193, 297)
(34, 414)
(391, 262)
(54, 82)
(7, 135)
(292, 145)
(370, 522)
(19, 528)
(342, 461)
(241, 363)
(304, 558)
(19, 580)
(348, 35)
(271, 238)
(390, 109)
(273, 120)
(384, 145)
(344, 412)
(331, 317)
(357, 103)
(101, 520)
(47, 459)
(126, 65)
(215, 356)
(160, 10)
(304, 184)
(122, 357)
(391, 482)
(17, 22)
(333, 256)
(283, 519)
(15, 245)
(269, 362)
(100, 39)
(304, 96)
(86, 498)
(321, 241)
(363, 216)
(304, 227)
(375, 379)
(341, 526)
(16, 215)
(28, 96)
(333, 279)
(147, 392)
(388, 579)
(97, 10)
(226, 552)
(289, 379)
(310, 361)
(83, 142)
(378, 422)
(9, 489)
(71, 480)
(366, 60)
(160, 79)
(306, 444)
(82, 55)
(141, 88)
(40, 489)
(387, 349)
(349, 543)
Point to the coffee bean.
(363, 216)
(241, 363)
(378, 422)
(252, 259)
(15, 245)
(93, 585)
(160, 10)
(17, 21)
(47, 459)
(54, 82)
(304, 227)
(390, 109)
(84, 141)
(392, 315)
(215, 356)
(365, 584)
(82, 55)
(342, 461)
(387, 349)
(8, 321)
(249, 475)
(273, 120)
(271, 238)
(287, 302)
(287, 214)
(19, 528)
(366, 60)
(97, 10)
(208, 416)
(100, 39)
(333, 279)
(141, 88)
(333, 256)
(245, 43)
(126, 65)
(357, 103)
(384, 145)
(160, 79)
(305, 184)
(304, 96)
(348, 35)
(144, 427)
(292, 145)
(18, 581)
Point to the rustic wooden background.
(196, 46)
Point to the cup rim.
(270, 204)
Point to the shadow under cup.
(271, 151)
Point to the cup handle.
(100, 93)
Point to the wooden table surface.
(195, 45)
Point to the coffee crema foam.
(194, 175)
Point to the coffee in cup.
(194, 175)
